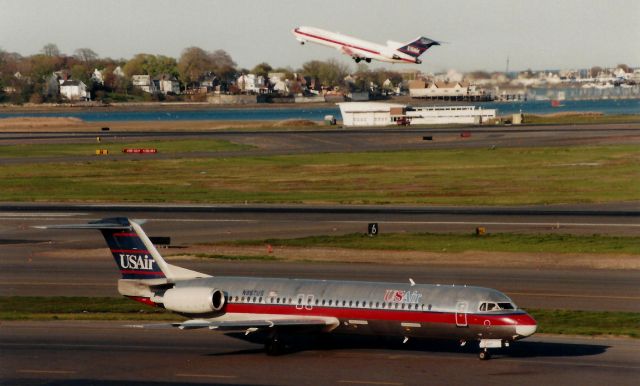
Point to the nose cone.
(526, 326)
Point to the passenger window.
(377, 303)
(330, 301)
(357, 302)
(242, 299)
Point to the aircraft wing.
(249, 325)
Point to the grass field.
(509, 176)
(456, 243)
(579, 118)
(105, 308)
(113, 146)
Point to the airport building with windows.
(387, 114)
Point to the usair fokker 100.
(273, 308)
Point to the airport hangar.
(384, 114)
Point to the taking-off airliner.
(273, 308)
(359, 50)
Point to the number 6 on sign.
(373, 229)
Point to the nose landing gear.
(484, 355)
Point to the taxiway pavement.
(109, 353)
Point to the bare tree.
(50, 49)
(85, 55)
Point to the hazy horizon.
(480, 35)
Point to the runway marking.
(41, 283)
(30, 371)
(576, 296)
(206, 376)
(370, 382)
(13, 215)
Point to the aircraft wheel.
(274, 346)
(484, 355)
(368, 60)
(357, 60)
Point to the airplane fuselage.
(356, 48)
(425, 311)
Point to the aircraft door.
(461, 314)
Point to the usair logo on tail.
(136, 262)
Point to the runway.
(25, 268)
(270, 143)
(107, 353)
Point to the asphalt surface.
(108, 353)
(105, 353)
(25, 268)
(268, 143)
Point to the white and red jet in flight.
(270, 309)
(358, 49)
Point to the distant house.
(97, 76)
(145, 83)
(118, 72)
(251, 83)
(278, 82)
(74, 90)
(445, 91)
(167, 84)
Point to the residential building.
(74, 90)
(144, 82)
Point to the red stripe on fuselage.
(347, 45)
(336, 42)
(378, 314)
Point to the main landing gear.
(358, 59)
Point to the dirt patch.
(295, 123)
(344, 255)
(48, 123)
(67, 124)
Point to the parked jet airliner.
(359, 50)
(273, 307)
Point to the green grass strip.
(504, 176)
(107, 308)
(435, 242)
(587, 322)
(114, 147)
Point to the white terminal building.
(385, 114)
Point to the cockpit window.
(491, 306)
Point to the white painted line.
(412, 325)
(370, 382)
(30, 215)
(363, 322)
(31, 371)
(206, 376)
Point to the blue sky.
(541, 34)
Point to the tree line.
(28, 78)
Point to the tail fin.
(418, 46)
(134, 254)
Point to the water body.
(607, 106)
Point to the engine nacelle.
(193, 300)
